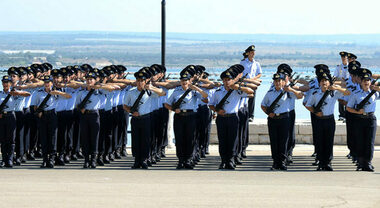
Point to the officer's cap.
(190, 69)
(343, 53)
(321, 68)
(56, 73)
(278, 76)
(353, 67)
(285, 69)
(226, 74)
(121, 68)
(142, 74)
(6, 78)
(85, 67)
(48, 66)
(250, 48)
(91, 75)
(238, 68)
(351, 55)
(324, 75)
(185, 76)
(200, 68)
(22, 70)
(47, 78)
(363, 72)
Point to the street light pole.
(163, 31)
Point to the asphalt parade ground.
(250, 185)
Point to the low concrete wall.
(258, 132)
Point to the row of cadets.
(279, 100)
(138, 102)
(8, 120)
(185, 116)
(324, 121)
(254, 71)
(364, 119)
(226, 101)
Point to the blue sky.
(193, 16)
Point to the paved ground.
(250, 185)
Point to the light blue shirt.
(116, 96)
(314, 85)
(40, 96)
(341, 71)
(61, 101)
(94, 102)
(283, 105)
(10, 105)
(329, 103)
(357, 97)
(145, 105)
(28, 100)
(71, 102)
(233, 101)
(251, 68)
(352, 87)
(189, 103)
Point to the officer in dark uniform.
(45, 102)
(324, 120)
(278, 118)
(227, 120)
(185, 118)
(8, 121)
(138, 102)
(365, 120)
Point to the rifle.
(318, 107)
(2, 105)
(85, 100)
(42, 106)
(366, 99)
(137, 102)
(176, 104)
(224, 99)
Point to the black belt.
(90, 111)
(228, 115)
(6, 113)
(186, 111)
(48, 111)
(143, 116)
(280, 115)
(325, 117)
(365, 115)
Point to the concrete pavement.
(251, 185)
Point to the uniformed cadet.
(124, 115)
(138, 102)
(278, 118)
(227, 120)
(353, 85)
(324, 120)
(20, 116)
(341, 73)
(253, 69)
(365, 120)
(45, 102)
(8, 121)
(89, 118)
(185, 118)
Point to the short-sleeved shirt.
(328, 104)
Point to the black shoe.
(188, 166)
(50, 164)
(2, 164)
(66, 159)
(117, 155)
(80, 155)
(38, 154)
(144, 165)
(314, 154)
(207, 152)
(100, 161)
(74, 157)
(106, 159)
(111, 156)
(316, 162)
(203, 154)
(23, 159)
(93, 164)
(30, 156)
(349, 156)
(237, 161)
(222, 165)
(320, 168)
(282, 166)
(250, 119)
(8, 164)
(244, 154)
(43, 165)
(60, 161)
(230, 166)
(136, 165)
(18, 161)
(86, 164)
(180, 166)
(328, 167)
(149, 163)
(153, 160)
(368, 168)
(158, 158)
(163, 152)
(289, 159)
(124, 153)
